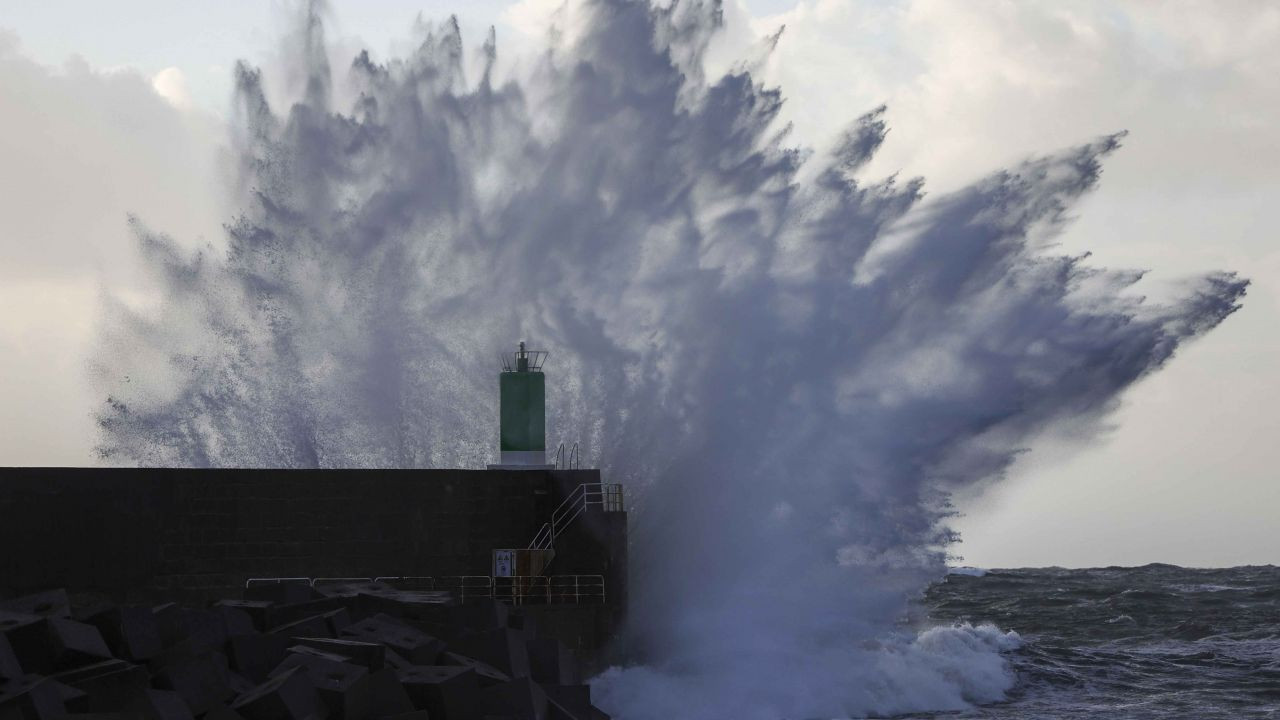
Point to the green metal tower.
(522, 395)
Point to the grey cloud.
(81, 148)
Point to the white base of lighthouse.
(522, 460)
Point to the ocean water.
(1156, 641)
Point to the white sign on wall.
(504, 563)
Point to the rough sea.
(1156, 641)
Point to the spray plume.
(790, 369)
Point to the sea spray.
(791, 370)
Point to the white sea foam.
(1206, 588)
(789, 370)
(942, 668)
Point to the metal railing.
(339, 580)
(276, 581)
(466, 585)
(521, 589)
(575, 589)
(532, 360)
(607, 496)
(569, 462)
(611, 497)
(414, 582)
(518, 590)
(550, 589)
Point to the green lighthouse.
(522, 396)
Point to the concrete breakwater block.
(337, 620)
(75, 643)
(285, 653)
(30, 697)
(108, 686)
(258, 611)
(388, 696)
(122, 715)
(444, 691)
(520, 698)
(49, 604)
(503, 648)
(488, 674)
(236, 621)
(160, 705)
(520, 619)
(239, 684)
(550, 662)
(222, 712)
(28, 636)
(287, 696)
(370, 655)
(254, 656)
(427, 605)
(568, 702)
(343, 688)
(482, 615)
(202, 680)
(415, 715)
(131, 633)
(9, 665)
(281, 593)
(409, 642)
(311, 652)
(196, 629)
(311, 626)
(284, 614)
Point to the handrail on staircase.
(569, 462)
(607, 496)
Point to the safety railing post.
(277, 580)
(607, 496)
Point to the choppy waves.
(1152, 642)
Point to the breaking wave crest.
(791, 365)
(944, 668)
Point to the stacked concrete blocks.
(284, 652)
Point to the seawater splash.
(790, 369)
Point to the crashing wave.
(792, 370)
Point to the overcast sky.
(111, 108)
